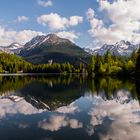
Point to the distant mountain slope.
(13, 48)
(11, 63)
(51, 47)
(122, 48)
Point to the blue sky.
(11, 9)
(89, 23)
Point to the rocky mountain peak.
(43, 40)
(123, 44)
(123, 48)
(52, 36)
(15, 45)
(54, 39)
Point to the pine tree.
(107, 57)
(92, 64)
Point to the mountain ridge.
(41, 49)
(122, 48)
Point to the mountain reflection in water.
(68, 107)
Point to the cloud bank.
(71, 35)
(122, 112)
(124, 22)
(55, 22)
(54, 123)
(8, 36)
(22, 107)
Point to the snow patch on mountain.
(38, 41)
(14, 47)
(123, 48)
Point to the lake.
(58, 107)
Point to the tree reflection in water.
(67, 107)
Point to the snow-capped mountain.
(39, 41)
(36, 40)
(54, 43)
(123, 48)
(41, 49)
(14, 48)
(89, 50)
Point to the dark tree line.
(115, 65)
(99, 65)
(10, 63)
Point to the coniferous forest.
(108, 64)
(115, 65)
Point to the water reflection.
(69, 107)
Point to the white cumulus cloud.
(90, 13)
(124, 22)
(71, 35)
(55, 123)
(9, 36)
(75, 20)
(22, 18)
(22, 107)
(45, 3)
(55, 22)
(125, 119)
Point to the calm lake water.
(69, 107)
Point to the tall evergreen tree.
(92, 64)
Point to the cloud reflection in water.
(8, 107)
(88, 113)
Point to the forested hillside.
(99, 65)
(113, 65)
(10, 63)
